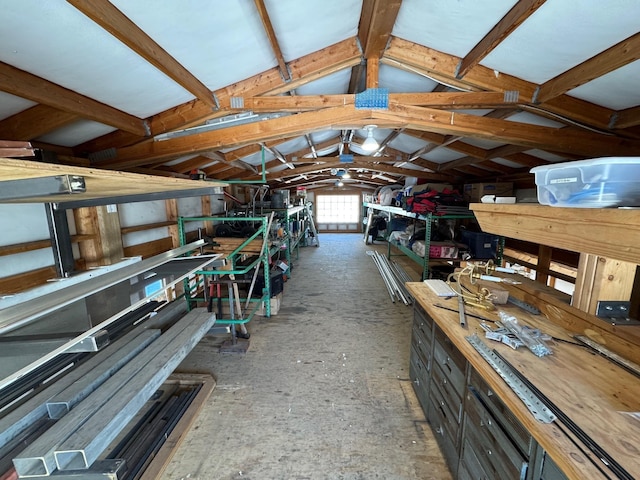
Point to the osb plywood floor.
(323, 391)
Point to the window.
(338, 208)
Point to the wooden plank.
(544, 263)
(99, 183)
(601, 278)
(629, 117)
(26, 280)
(23, 84)
(149, 249)
(273, 40)
(24, 247)
(441, 66)
(522, 10)
(35, 122)
(533, 136)
(608, 232)
(102, 223)
(120, 26)
(570, 373)
(619, 55)
(377, 19)
(146, 226)
(171, 209)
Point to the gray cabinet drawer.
(422, 346)
(493, 448)
(453, 366)
(470, 467)
(423, 325)
(448, 412)
(436, 417)
(550, 470)
(420, 379)
(449, 393)
(511, 425)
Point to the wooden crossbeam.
(120, 26)
(629, 117)
(26, 85)
(522, 10)
(35, 122)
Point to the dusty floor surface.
(323, 391)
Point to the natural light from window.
(338, 208)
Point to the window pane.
(338, 208)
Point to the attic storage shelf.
(297, 224)
(428, 219)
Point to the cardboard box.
(473, 192)
(276, 301)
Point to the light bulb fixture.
(370, 144)
(339, 183)
(346, 174)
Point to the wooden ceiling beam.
(442, 67)
(526, 160)
(191, 164)
(444, 100)
(263, 131)
(629, 117)
(120, 26)
(532, 136)
(273, 40)
(522, 10)
(34, 122)
(26, 85)
(611, 59)
(377, 19)
(303, 70)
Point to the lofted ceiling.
(458, 91)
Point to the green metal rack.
(191, 291)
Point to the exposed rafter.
(522, 10)
(34, 122)
(376, 22)
(273, 40)
(23, 84)
(611, 59)
(120, 26)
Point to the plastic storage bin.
(481, 245)
(594, 183)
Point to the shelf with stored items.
(428, 220)
(294, 227)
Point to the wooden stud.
(102, 223)
(171, 208)
(544, 263)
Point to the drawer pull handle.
(489, 452)
(442, 404)
(439, 430)
(416, 381)
(444, 381)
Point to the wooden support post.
(373, 64)
(601, 278)
(171, 207)
(206, 212)
(544, 264)
(104, 244)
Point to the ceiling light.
(339, 183)
(346, 175)
(370, 144)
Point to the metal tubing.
(60, 404)
(22, 417)
(38, 459)
(93, 437)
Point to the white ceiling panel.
(88, 59)
(562, 34)
(453, 27)
(532, 119)
(76, 133)
(402, 81)
(325, 22)
(507, 163)
(10, 105)
(220, 42)
(407, 143)
(442, 155)
(482, 143)
(617, 90)
(333, 84)
(550, 157)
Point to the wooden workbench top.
(600, 397)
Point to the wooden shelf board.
(99, 183)
(608, 232)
